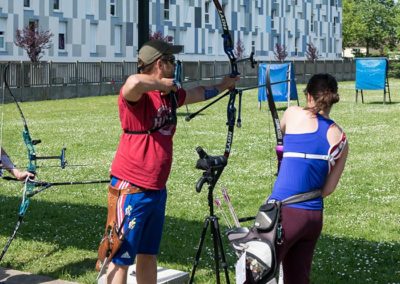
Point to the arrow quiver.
(110, 243)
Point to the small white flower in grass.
(132, 224)
(128, 210)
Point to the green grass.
(62, 228)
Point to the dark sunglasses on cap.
(169, 58)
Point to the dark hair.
(324, 90)
(143, 68)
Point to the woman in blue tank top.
(315, 151)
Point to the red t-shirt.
(145, 159)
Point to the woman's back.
(306, 134)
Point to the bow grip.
(279, 154)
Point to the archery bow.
(31, 167)
(213, 166)
(30, 183)
(231, 111)
(275, 118)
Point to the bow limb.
(228, 42)
(275, 118)
(31, 167)
(228, 49)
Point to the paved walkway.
(9, 276)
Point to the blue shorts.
(146, 220)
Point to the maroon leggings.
(301, 232)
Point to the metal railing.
(27, 74)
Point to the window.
(112, 7)
(62, 35)
(166, 9)
(27, 3)
(296, 44)
(117, 33)
(323, 45)
(33, 24)
(56, 4)
(335, 21)
(207, 12)
(273, 14)
(312, 23)
(93, 36)
(2, 34)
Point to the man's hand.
(168, 86)
(21, 175)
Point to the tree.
(351, 24)
(370, 23)
(239, 49)
(159, 35)
(312, 52)
(280, 52)
(33, 40)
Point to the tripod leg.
(215, 237)
(218, 241)
(198, 253)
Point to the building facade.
(106, 30)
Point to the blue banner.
(279, 73)
(371, 73)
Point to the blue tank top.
(300, 175)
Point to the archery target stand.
(164, 275)
(372, 74)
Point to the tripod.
(211, 176)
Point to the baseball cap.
(153, 49)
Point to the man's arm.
(138, 84)
(202, 93)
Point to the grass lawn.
(360, 242)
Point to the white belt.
(306, 156)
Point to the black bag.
(259, 241)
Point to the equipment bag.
(259, 241)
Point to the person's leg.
(146, 258)
(146, 269)
(117, 274)
(301, 231)
(118, 268)
(297, 263)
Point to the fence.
(55, 80)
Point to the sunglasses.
(169, 58)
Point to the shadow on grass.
(66, 226)
(380, 103)
(347, 260)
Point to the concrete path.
(9, 276)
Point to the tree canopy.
(371, 23)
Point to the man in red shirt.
(139, 173)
